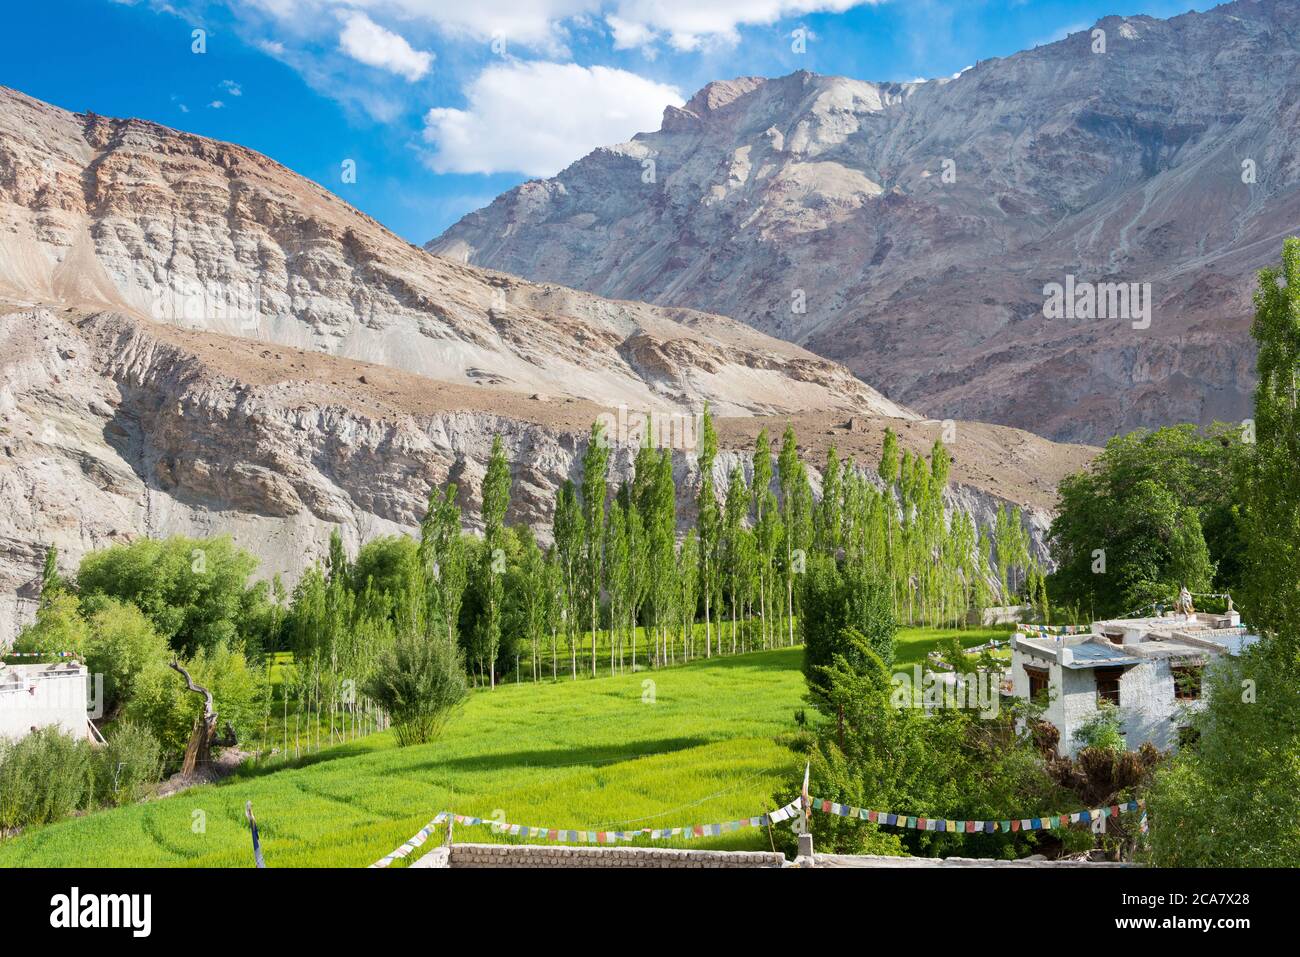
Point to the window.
(1108, 684)
(1187, 681)
(1039, 681)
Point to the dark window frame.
(1107, 681)
(1040, 680)
(1183, 686)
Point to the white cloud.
(692, 24)
(544, 24)
(216, 105)
(369, 43)
(536, 118)
(231, 87)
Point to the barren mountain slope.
(132, 216)
(1167, 159)
(112, 427)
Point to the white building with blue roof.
(1152, 669)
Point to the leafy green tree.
(528, 594)
(160, 701)
(51, 582)
(59, 626)
(1269, 484)
(1232, 797)
(870, 750)
(196, 591)
(444, 567)
(122, 646)
(836, 600)
(1123, 536)
(570, 532)
(595, 469)
(496, 500)
(732, 544)
(709, 527)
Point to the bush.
(122, 646)
(419, 681)
(43, 777)
(58, 627)
(128, 766)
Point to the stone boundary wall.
(534, 855)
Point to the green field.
(586, 754)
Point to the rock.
(828, 192)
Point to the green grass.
(586, 754)
(912, 644)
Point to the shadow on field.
(586, 756)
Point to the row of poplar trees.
(617, 586)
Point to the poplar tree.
(496, 501)
(595, 466)
(764, 505)
(569, 534)
(708, 521)
(734, 513)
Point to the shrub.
(419, 681)
(43, 777)
(58, 627)
(123, 645)
(128, 766)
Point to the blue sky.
(443, 104)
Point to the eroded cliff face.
(131, 216)
(908, 229)
(193, 340)
(112, 427)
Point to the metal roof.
(1093, 654)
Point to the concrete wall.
(42, 695)
(1147, 706)
(545, 855)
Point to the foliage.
(43, 777)
(128, 766)
(1102, 730)
(839, 602)
(195, 591)
(59, 626)
(123, 645)
(869, 752)
(419, 680)
(1160, 506)
(162, 703)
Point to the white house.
(36, 696)
(1151, 668)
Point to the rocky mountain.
(911, 230)
(193, 340)
(136, 217)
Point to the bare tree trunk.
(204, 737)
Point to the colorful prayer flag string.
(573, 836)
(1012, 825)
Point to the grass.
(586, 754)
(913, 644)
